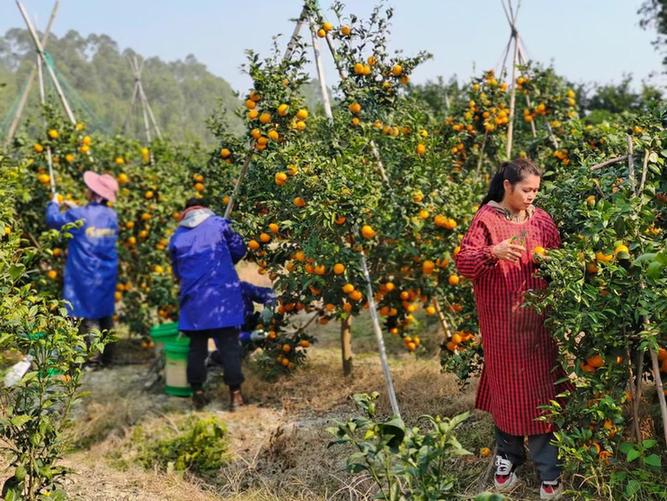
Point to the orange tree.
(602, 307)
(154, 182)
(320, 194)
(34, 406)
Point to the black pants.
(543, 453)
(228, 344)
(104, 325)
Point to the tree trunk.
(346, 344)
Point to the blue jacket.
(204, 250)
(91, 269)
(253, 294)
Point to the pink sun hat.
(103, 185)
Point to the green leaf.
(649, 443)
(653, 460)
(632, 488)
(632, 455)
(20, 420)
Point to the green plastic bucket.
(163, 333)
(175, 368)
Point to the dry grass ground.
(279, 441)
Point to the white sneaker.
(551, 489)
(505, 478)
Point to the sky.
(586, 40)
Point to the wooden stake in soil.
(346, 344)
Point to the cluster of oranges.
(460, 340)
(270, 125)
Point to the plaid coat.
(520, 365)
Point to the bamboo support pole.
(42, 98)
(631, 164)
(637, 394)
(609, 162)
(661, 390)
(237, 186)
(443, 320)
(510, 125)
(372, 307)
(52, 75)
(135, 93)
(326, 101)
(31, 79)
(642, 183)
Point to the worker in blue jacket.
(251, 294)
(204, 250)
(91, 269)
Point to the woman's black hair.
(192, 202)
(513, 171)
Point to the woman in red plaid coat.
(520, 358)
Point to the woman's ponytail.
(513, 171)
(496, 189)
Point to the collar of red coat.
(506, 213)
